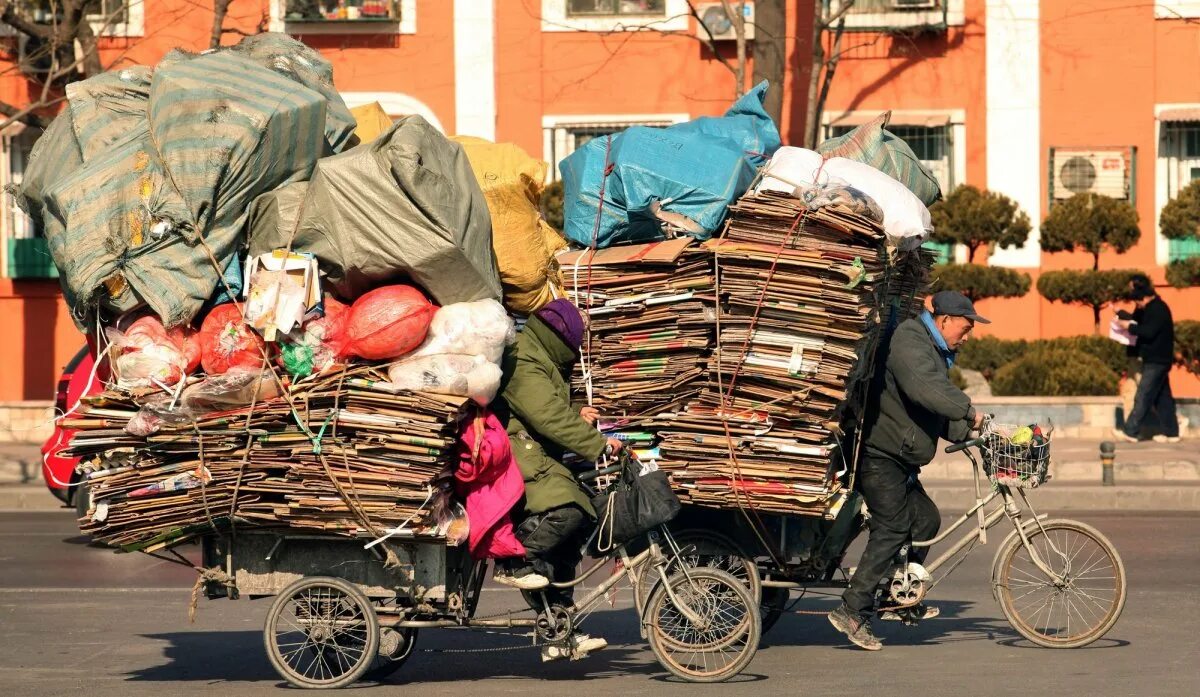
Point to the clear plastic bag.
(237, 388)
(144, 356)
(456, 374)
(838, 193)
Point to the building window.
(25, 252)
(1180, 148)
(344, 16)
(934, 147)
(564, 135)
(592, 8)
(107, 17)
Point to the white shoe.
(1123, 436)
(554, 652)
(1166, 439)
(582, 645)
(528, 582)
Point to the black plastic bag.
(632, 506)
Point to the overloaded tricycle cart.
(344, 611)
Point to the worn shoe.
(525, 579)
(554, 652)
(910, 615)
(1166, 439)
(582, 645)
(856, 628)
(1120, 435)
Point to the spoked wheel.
(321, 633)
(724, 639)
(395, 646)
(1078, 609)
(705, 548)
(773, 604)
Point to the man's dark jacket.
(1155, 331)
(917, 403)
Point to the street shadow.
(952, 626)
(1101, 643)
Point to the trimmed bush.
(1094, 289)
(1109, 352)
(1184, 273)
(1187, 345)
(1091, 223)
(977, 281)
(957, 378)
(1180, 218)
(1054, 373)
(987, 354)
(979, 219)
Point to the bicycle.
(1060, 583)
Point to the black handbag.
(634, 505)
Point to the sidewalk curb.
(952, 496)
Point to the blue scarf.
(938, 341)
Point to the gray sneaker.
(910, 615)
(856, 628)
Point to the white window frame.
(407, 24)
(557, 142)
(1162, 179)
(955, 119)
(1177, 9)
(956, 16)
(395, 104)
(134, 26)
(8, 207)
(676, 16)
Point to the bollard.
(1108, 453)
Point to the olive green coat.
(535, 406)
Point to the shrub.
(956, 377)
(1181, 216)
(987, 353)
(975, 219)
(977, 281)
(1184, 273)
(1187, 345)
(552, 205)
(1109, 352)
(1094, 289)
(1090, 222)
(1054, 373)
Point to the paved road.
(80, 620)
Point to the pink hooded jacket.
(488, 478)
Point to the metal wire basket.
(1015, 456)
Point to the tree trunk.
(770, 52)
(816, 66)
(738, 18)
(1096, 318)
(830, 68)
(220, 9)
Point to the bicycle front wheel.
(721, 638)
(1077, 608)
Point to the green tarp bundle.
(872, 144)
(403, 206)
(168, 169)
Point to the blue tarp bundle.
(694, 169)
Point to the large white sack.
(905, 219)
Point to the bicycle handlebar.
(959, 447)
(592, 474)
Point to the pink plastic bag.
(388, 322)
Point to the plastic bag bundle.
(905, 219)
(839, 193)
(461, 356)
(872, 144)
(226, 342)
(318, 344)
(388, 322)
(238, 388)
(144, 356)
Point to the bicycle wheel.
(724, 640)
(774, 603)
(321, 633)
(1078, 610)
(708, 549)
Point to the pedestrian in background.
(1154, 328)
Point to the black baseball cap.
(954, 304)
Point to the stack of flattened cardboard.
(259, 467)
(650, 317)
(798, 326)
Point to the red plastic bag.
(227, 342)
(332, 327)
(189, 346)
(388, 322)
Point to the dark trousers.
(554, 546)
(1153, 393)
(900, 511)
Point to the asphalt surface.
(81, 620)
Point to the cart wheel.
(774, 603)
(711, 549)
(724, 640)
(321, 633)
(395, 646)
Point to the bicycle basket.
(1015, 456)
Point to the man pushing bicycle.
(917, 405)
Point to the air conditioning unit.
(913, 4)
(720, 25)
(1104, 172)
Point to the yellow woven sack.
(372, 121)
(525, 245)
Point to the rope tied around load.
(212, 574)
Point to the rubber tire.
(753, 628)
(714, 539)
(1004, 560)
(385, 665)
(773, 604)
(82, 500)
(371, 650)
